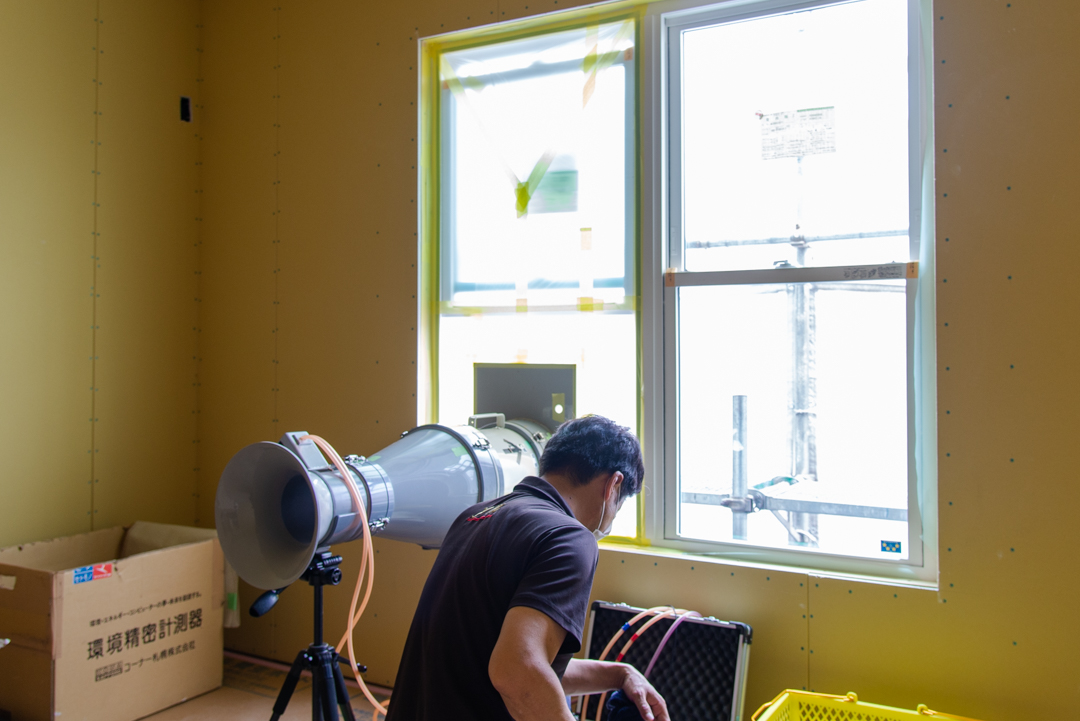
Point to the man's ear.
(614, 484)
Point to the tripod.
(328, 691)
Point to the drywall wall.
(309, 262)
(99, 199)
(48, 123)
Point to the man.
(504, 607)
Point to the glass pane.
(536, 182)
(603, 346)
(810, 140)
(822, 371)
(536, 211)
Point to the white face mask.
(598, 534)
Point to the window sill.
(625, 547)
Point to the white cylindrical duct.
(278, 503)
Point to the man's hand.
(637, 688)
(586, 676)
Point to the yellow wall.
(97, 225)
(307, 319)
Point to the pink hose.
(658, 612)
(667, 636)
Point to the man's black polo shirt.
(524, 549)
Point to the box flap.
(25, 602)
(26, 688)
(143, 536)
(61, 554)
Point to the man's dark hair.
(583, 448)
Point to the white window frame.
(660, 237)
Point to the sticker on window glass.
(890, 546)
(795, 133)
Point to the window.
(533, 223)
(794, 229)
(774, 359)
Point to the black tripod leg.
(316, 694)
(343, 695)
(289, 686)
(327, 687)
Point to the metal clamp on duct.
(278, 504)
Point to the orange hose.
(367, 564)
(631, 622)
(668, 611)
(637, 634)
(614, 640)
(611, 643)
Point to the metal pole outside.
(738, 465)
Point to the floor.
(248, 691)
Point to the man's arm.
(520, 669)
(520, 666)
(585, 676)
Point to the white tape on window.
(7, 583)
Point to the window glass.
(538, 143)
(824, 409)
(796, 125)
(793, 394)
(537, 218)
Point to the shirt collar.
(539, 488)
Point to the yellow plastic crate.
(793, 705)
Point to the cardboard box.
(111, 625)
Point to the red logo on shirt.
(486, 513)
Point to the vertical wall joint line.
(94, 293)
(809, 615)
(277, 213)
(196, 344)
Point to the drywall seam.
(94, 275)
(196, 357)
(807, 616)
(277, 204)
(277, 243)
